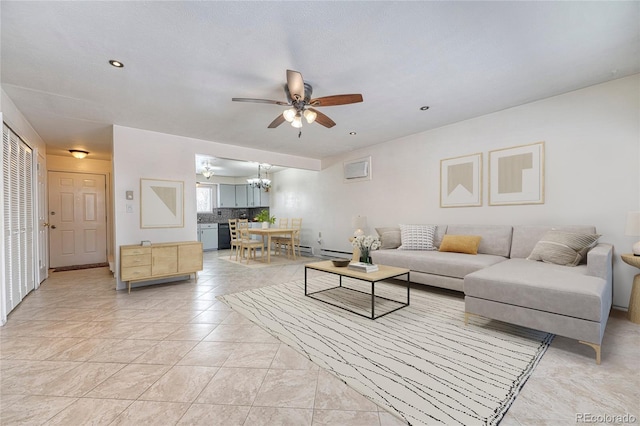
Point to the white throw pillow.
(417, 237)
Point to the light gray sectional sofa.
(500, 283)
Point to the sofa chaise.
(500, 283)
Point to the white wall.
(10, 115)
(145, 154)
(592, 163)
(14, 119)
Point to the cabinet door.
(164, 260)
(190, 257)
(253, 194)
(264, 199)
(226, 195)
(241, 196)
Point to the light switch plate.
(129, 195)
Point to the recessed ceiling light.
(116, 64)
(424, 108)
(352, 133)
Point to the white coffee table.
(383, 273)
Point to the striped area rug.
(421, 362)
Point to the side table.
(634, 301)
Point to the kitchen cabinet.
(258, 197)
(226, 195)
(241, 196)
(264, 199)
(253, 194)
(143, 263)
(208, 236)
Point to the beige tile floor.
(77, 352)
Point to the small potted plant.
(264, 217)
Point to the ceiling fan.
(298, 94)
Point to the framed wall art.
(461, 181)
(516, 175)
(161, 203)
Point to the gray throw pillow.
(389, 237)
(563, 248)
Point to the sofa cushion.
(563, 248)
(542, 286)
(447, 264)
(441, 231)
(417, 237)
(389, 237)
(467, 244)
(496, 239)
(525, 237)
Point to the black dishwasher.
(224, 238)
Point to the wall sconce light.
(78, 153)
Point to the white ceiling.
(184, 61)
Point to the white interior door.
(77, 219)
(43, 224)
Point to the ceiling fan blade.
(295, 84)
(260, 101)
(336, 100)
(275, 123)
(323, 119)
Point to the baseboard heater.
(336, 253)
(306, 251)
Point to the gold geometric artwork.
(516, 175)
(510, 172)
(168, 197)
(460, 174)
(461, 181)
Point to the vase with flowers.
(366, 244)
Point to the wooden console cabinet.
(164, 260)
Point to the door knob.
(53, 227)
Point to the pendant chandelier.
(260, 182)
(207, 170)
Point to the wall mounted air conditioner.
(357, 170)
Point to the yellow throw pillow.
(461, 243)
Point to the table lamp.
(359, 223)
(633, 229)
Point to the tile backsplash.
(223, 215)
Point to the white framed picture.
(161, 203)
(461, 181)
(516, 175)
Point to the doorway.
(77, 219)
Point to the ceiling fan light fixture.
(289, 114)
(310, 116)
(297, 121)
(78, 153)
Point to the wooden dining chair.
(246, 243)
(235, 240)
(277, 240)
(296, 223)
